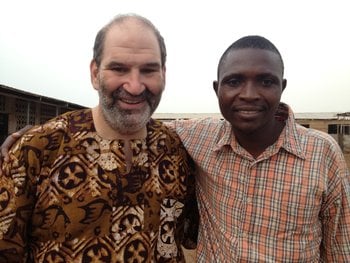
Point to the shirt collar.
(288, 140)
(226, 138)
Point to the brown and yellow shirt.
(66, 195)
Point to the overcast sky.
(46, 47)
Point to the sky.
(46, 47)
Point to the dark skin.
(249, 89)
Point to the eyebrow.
(120, 64)
(152, 65)
(270, 75)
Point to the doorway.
(3, 126)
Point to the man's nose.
(134, 84)
(249, 91)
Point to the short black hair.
(252, 41)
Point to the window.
(2, 103)
(25, 113)
(333, 129)
(339, 129)
(47, 112)
(344, 129)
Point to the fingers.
(23, 130)
(4, 150)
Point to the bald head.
(127, 20)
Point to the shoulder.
(157, 128)
(71, 121)
(313, 136)
(201, 129)
(205, 124)
(58, 129)
(164, 139)
(323, 148)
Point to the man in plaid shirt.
(269, 190)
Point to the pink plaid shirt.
(291, 204)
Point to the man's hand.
(10, 140)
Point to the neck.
(257, 142)
(104, 130)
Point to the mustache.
(122, 93)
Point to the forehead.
(131, 38)
(251, 60)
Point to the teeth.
(248, 112)
(131, 101)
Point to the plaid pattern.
(292, 204)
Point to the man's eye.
(267, 82)
(118, 69)
(233, 82)
(148, 70)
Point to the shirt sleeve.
(16, 202)
(335, 214)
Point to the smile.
(132, 101)
(249, 111)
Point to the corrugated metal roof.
(9, 91)
(316, 115)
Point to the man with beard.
(107, 184)
(269, 190)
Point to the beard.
(127, 121)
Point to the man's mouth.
(248, 112)
(248, 109)
(132, 101)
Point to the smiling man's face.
(249, 89)
(130, 79)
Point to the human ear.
(164, 75)
(215, 87)
(284, 84)
(94, 74)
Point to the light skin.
(249, 89)
(130, 68)
(130, 80)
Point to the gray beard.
(126, 121)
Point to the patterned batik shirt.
(66, 195)
(291, 204)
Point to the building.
(19, 108)
(335, 124)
